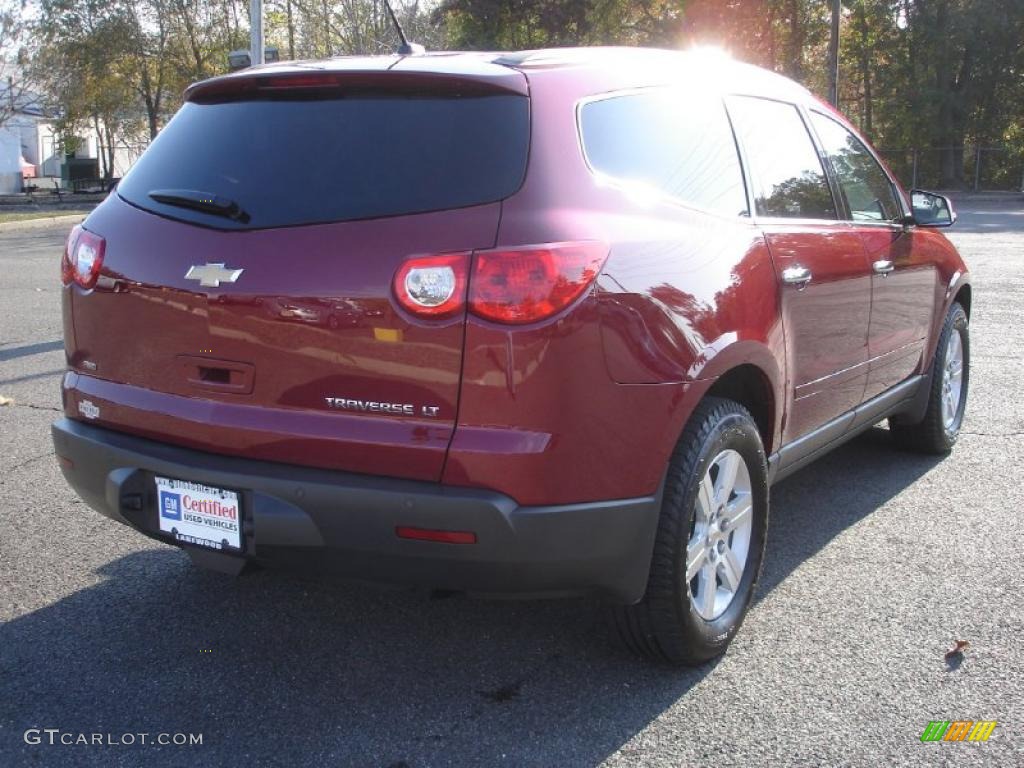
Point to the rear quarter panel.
(589, 406)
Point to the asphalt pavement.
(877, 561)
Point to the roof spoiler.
(305, 83)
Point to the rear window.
(289, 162)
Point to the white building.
(30, 150)
(19, 144)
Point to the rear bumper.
(345, 524)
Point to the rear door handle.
(798, 276)
(883, 267)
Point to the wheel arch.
(958, 291)
(750, 373)
(750, 386)
(963, 298)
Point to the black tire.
(932, 434)
(665, 625)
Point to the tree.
(148, 45)
(964, 74)
(87, 79)
(317, 29)
(519, 24)
(16, 79)
(202, 32)
(749, 29)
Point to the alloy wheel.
(952, 379)
(716, 554)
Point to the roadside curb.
(14, 226)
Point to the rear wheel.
(938, 430)
(709, 544)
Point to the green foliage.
(15, 82)
(935, 74)
(523, 24)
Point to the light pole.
(256, 32)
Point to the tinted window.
(787, 173)
(866, 187)
(304, 161)
(674, 141)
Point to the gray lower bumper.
(345, 525)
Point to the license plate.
(199, 514)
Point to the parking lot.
(877, 562)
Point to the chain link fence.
(981, 169)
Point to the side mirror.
(931, 210)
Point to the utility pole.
(256, 32)
(833, 55)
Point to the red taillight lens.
(83, 258)
(532, 283)
(433, 286)
(67, 272)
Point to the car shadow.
(304, 673)
(838, 490)
(25, 350)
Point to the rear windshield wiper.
(206, 202)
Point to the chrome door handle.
(883, 267)
(798, 276)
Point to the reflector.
(443, 537)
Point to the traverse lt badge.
(374, 406)
(212, 275)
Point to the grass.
(29, 215)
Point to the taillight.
(508, 285)
(67, 272)
(83, 257)
(532, 283)
(433, 286)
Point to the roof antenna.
(406, 48)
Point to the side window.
(788, 177)
(675, 141)
(866, 187)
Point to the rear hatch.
(245, 300)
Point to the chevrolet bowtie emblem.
(212, 275)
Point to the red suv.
(540, 323)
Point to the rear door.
(264, 324)
(903, 283)
(824, 276)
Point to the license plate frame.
(200, 515)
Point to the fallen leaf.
(958, 649)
